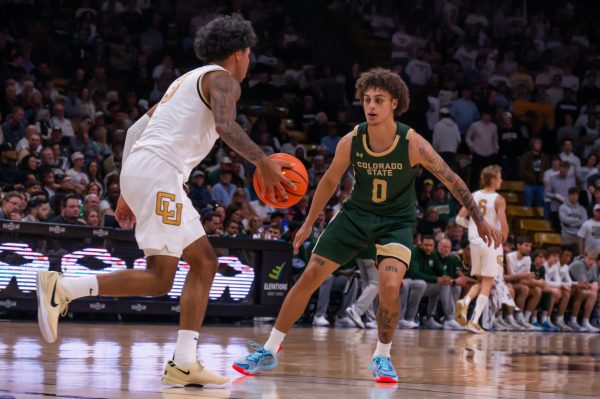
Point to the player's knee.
(161, 287)
(390, 291)
(523, 290)
(537, 291)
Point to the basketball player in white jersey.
(161, 150)
(486, 262)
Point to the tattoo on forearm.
(436, 165)
(386, 322)
(391, 268)
(224, 94)
(319, 261)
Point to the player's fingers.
(290, 185)
(285, 164)
(271, 191)
(282, 191)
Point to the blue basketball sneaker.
(548, 327)
(383, 370)
(260, 359)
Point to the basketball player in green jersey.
(381, 210)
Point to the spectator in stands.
(91, 201)
(9, 173)
(464, 111)
(60, 121)
(563, 289)
(445, 206)
(331, 140)
(568, 155)
(13, 129)
(418, 70)
(558, 190)
(589, 233)
(336, 282)
(232, 229)
(450, 264)
(83, 143)
(511, 144)
(199, 193)
(585, 275)
(549, 294)
(69, 211)
(12, 206)
(212, 224)
(446, 138)
(274, 232)
(482, 139)
(572, 216)
(80, 178)
(532, 166)
(527, 291)
(91, 217)
(293, 144)
(431, 223)
(39, 210)
(425, 265)
(223, 191)
(30, 144)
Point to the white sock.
(274, 342)
(480, 305)
(527, 316)
(586, 321)
(77, 287)
(574, 319)
(519, 317)
(510, 319)
(560, 319)
(185, 350)
(544, 318)
(467, 300)
(382, 349)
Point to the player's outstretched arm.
(501, 212)
(421, 152)
(326, 188)
(224, 92)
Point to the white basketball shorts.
(486, 261)
(166, 220)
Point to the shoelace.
(259, 352)
(64, 307)
(384, 364)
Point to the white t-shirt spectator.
(402, 45)
(419, 72)
(466, 57)
(590, 232)
(518, 266)
(262, 210)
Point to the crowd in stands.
(506, 83)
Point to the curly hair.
(222, 37)
(387, 80)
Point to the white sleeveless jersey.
(486, 203)
(182, 129)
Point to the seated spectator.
(425, 265)
(446, 138)
(9, 172)
(331, 140)
(527, 292)
(39, 210)
(572, 216)
(431, 223)
(585, 276)
(12, 206)
(294, 144)
(223, 191)
(232, 229)
(80, 178)
(274, 232)
(450, 264)
(261, 209)
(445, 206)
(91, 217)
(199, 194)
(69, 211)
(589, 233)
(336, 282)
(13, 129)
(212, 224)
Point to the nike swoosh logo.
(52, 303)
(184, 372)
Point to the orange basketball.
(297, 175)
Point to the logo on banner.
(11, 226)
(56, 229)
(138, 307)
(175, 309)
(275, 273)
(7, 303)
(100, 233)
(97, 306)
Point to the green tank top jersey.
(385, 181)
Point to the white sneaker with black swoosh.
(195, 374)
(52, 303)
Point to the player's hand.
(270, 171)
(529, 276)
(124, 215)
(301, 235)
(489, 235)
(460, 281)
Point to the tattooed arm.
(224, 92)
(421, 152)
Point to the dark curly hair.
(222, 37)
(388, 81)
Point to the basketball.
(297, 175)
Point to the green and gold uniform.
(381, 209)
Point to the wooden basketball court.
(126, 360)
